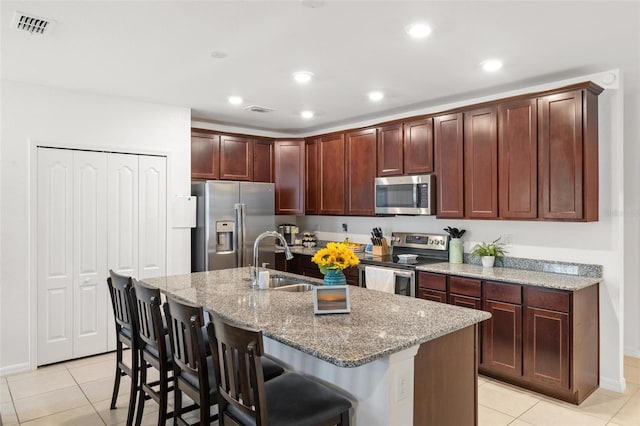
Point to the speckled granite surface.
(379, 324)
(534, 278)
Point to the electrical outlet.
(402, 387)
(344, 227)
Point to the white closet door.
(122, 222)
(153, 216)
(91, 295)
(55, 255)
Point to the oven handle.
(403, 274)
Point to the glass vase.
(456, 250)
(335, 277)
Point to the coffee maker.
(289, 231)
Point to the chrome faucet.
(287, 252)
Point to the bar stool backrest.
(148, 308)
(185, 322)
(236, 353)
(119, 286)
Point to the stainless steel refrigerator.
(230, 215)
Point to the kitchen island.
(401, 360)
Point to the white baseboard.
(634, 352)
(15, 368)
(613, 385)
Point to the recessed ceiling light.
(491, 65)
(218, 55)
(306, 114)
(302, 76)
(235, 100)
(418, 30)
(376, 96)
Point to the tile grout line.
(86, 396)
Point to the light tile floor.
(79, 393)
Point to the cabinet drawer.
(552, 300)
(508, 293)
(465, 286)
(433, 295)
(432, 281)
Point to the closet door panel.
(152, 215)
(90, 293)
(55, 255)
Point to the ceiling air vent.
(256, 108)
(31, 23)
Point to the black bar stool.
(126, 334)
(245, 397)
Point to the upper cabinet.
(263, 161)
(360, 171)
(312, 170)
(481, 163)
(236, 158)
(418, 147)
(331, 174)
(568, 155)
(205, 153)
(518, 159)
(406, 148)
(289, 176)
(449, 148)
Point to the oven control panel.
(421, 241)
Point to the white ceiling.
(160, 52)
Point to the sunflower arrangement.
(335, 256)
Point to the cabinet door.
(390, 151)
(360, 172)
(152, 216)
(312, 171)
(290, 157)
(481, 163)
(449, 165)
(90, 296)
(236, 158)
(560, 158)
(331, 177)
(502, 337)
(263, 161)
(418, 147)
(433, 295)
(518, 160)
(465, 301)
(546, 347)
(205, 155)
(55, 255)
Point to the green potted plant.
(489, 252)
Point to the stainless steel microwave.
(405, 195)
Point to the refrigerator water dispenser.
(224, 236)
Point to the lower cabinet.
(542, 339)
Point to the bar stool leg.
(135, 373)
(141, 398)
(116, 383)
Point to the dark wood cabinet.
(433, 295)
(352, 276)
(481, 163)
(449, 157)
(263, 161)
(289, 176)
(293, 266)
(236, 158)
(312, 171)
(432, 287)
(205, 155)
(331, 177)
(518, 159)
(418, 146)
(568, 155)
(502, 333)
(390, 150)
(360, 168)
(465, 292)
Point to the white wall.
(39, 115)
(608, 242)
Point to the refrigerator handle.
(238, 239)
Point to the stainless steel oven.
(405, 279)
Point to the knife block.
(382, 249)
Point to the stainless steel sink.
(288, 283)
(296, 287)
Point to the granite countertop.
(379, 324)
(519, 276)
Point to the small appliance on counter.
(290, 233)
(309, 239)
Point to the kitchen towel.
(381, 279)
